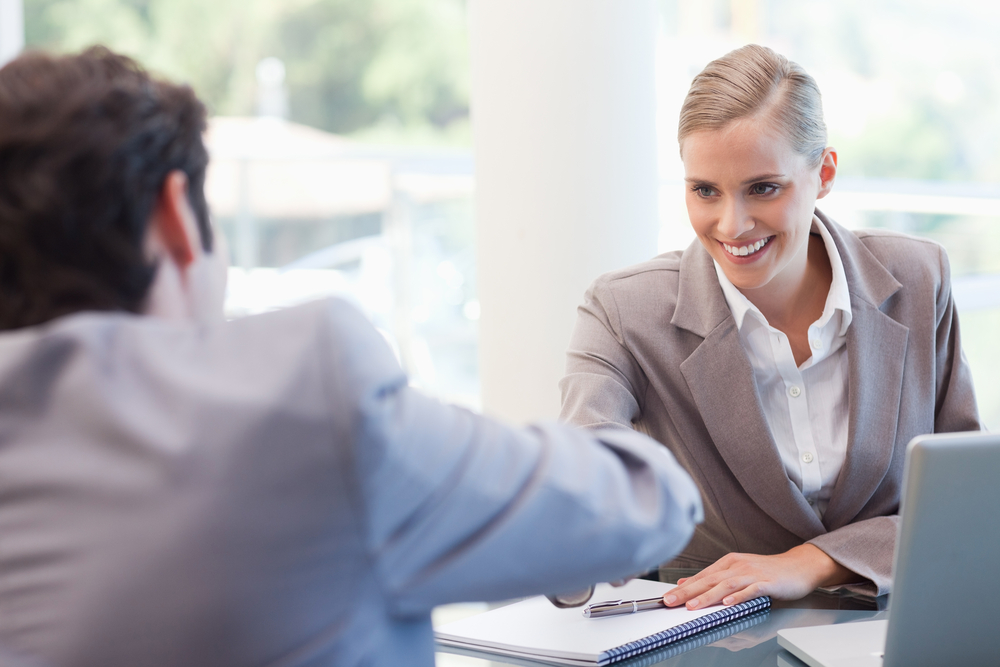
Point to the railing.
(873, 194)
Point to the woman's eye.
(762, 188)
(704, 191)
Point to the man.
(180, 490)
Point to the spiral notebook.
(652, 657)
(533, 629)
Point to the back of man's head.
(86, 142)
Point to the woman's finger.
(714, 568)
(691, 588)
(754, 590)
(729, 587)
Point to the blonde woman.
(784, 360)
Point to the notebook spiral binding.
(700, 624)
(697, 640)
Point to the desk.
(753, 646)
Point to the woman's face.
(751, 198)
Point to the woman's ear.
(827, 172)
(173, 229)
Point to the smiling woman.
(769, 355)
(750, 199)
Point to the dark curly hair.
(86, 142)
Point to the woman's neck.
(793, 307)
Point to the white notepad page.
(535, 628)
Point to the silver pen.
(615, 607)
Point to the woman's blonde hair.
(754, 81)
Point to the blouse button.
(794, 391)
(817, 343)
(807, 457)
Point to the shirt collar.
(839, 298)
(739, 305)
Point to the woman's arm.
(604, 384)
(737, 577)
(956, 409)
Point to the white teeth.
(747, 249)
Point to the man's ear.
(172, 225)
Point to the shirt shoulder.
(304, 354)
(332, 334)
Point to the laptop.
(945, 603)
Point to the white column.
(11, 29)
(563, 110)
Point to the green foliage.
(914, 142)
(905, 47)
(327, 45)
(351, 64)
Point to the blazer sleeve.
(867, 547)
(457, 506)
(604, 385)
(956, 408)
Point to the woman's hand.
(736, 578)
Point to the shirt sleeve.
(458, 506)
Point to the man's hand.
(736, 578)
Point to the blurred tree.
(213, 46)
(915, 141)
(351, 64)
(938, 65)
(355, 63)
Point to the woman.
(784, 360)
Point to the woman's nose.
(735, 219)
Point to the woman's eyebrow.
(762, 177)
(755, 179)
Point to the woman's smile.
(745, 251)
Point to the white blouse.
(805, 406)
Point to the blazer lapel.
(876, 349)
(721, 381)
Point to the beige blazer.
(656, 349)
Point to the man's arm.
(462, 507)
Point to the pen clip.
(604, 605)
